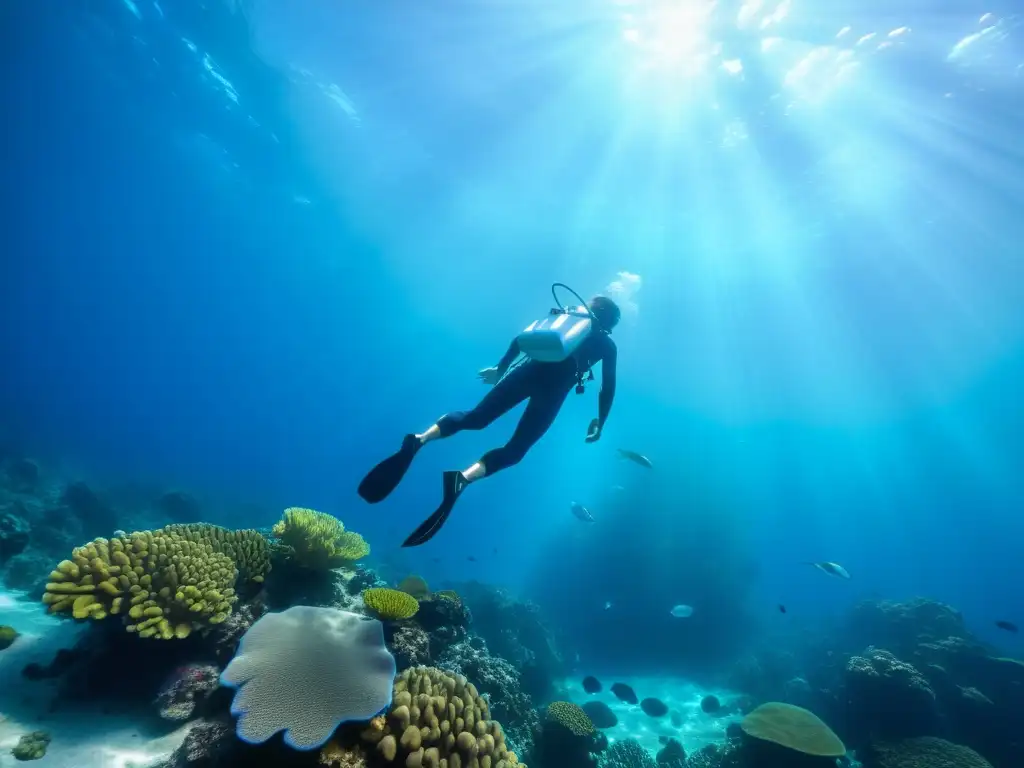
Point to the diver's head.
(606, 312)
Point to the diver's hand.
(489, 376)
(594, 431)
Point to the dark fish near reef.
(654, 707)
(782, 608)
(636, 458)
(581, 513)
(1009, 626)
(624, 693)
(591, 684)
(832, 569)
(710, 704)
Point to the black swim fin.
(385, 477)
(454, 483)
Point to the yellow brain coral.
(163, 583)
(390, 603)
(570, 717)
(319, 541)
(437, 719)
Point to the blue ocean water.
(250, 245)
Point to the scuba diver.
(559, 352)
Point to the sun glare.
(672, 36)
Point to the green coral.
(570, 717)
(794, 728)
(249, 549)
(31, 746)
(164, 583)
(390, 603)
(7, 637)
(319, 541)
(415, 586)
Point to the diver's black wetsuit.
(546, 386)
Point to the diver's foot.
(385, 477)
(453, 484)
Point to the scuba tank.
(557, 335)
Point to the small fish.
(654, 707)
(624, 693)
(782, 608)
(435, 559)
(591, 684)
(581, 512)
(636, 458)
(1009, 626)
(608, 604)
(471, 559)
(682, 611)
(832, 569)
(618, 488)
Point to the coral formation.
(184, 689)
(14, 536)
(31, 746)
(410, 645)
(924, 752)
(415, 586)
(319, 541)
(890, 698)
(627, 754)
(793, 728)
(672, 755)
(437, 719)
(390, 604)
(287, 660)
(164, 583)
(571, 717)
(7, 636)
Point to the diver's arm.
(607, 395)
(509, 357)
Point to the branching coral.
(319, 541)
(570, 717)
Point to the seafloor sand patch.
(80, 739)
(698, 728)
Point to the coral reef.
(566, 738)
(14, 536)
(924, 752)
(164, 583)
(390, 604)
(889, 698)
(500, 682)
(627, 754)
(415, 586)
(186, 688)
(319, 541)
(438, 719)
(410, 645)
(334, 658)
(672, 755)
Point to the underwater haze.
(250, 244)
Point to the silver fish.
(581, 512)
(636, 458)
(832, 569)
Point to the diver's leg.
(505, 395)
(539, 415)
